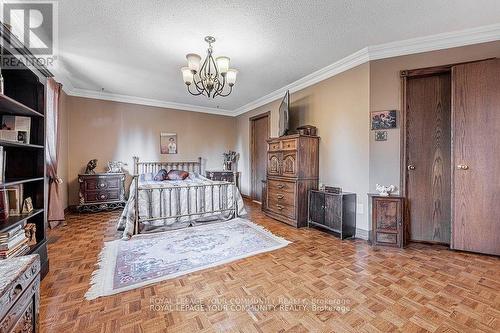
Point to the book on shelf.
(21, 249)
(10, 233)
(13, 242)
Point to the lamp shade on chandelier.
(212, 77)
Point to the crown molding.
(441, 41)
(447, 40)
(351, 61)
(436, 42)
(75, 92)
(62, 76)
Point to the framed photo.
(4, 205)
(14, 200)
(27, 206)
(168, 143)
(381, 136)
(383, 119)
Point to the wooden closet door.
(428, 113)
(476, 157)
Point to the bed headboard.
(154, 167)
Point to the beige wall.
(62, 163)
(385, 94)
(339, 108)
(117, 131)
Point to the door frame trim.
(251, 121)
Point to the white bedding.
(164, 199)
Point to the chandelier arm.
(192, 93)
(209, 63)
(206, 76)
(197, 86)
(229, 92)
(201, 90)
(203, 69)
(215, 66)
(203, 86)
(220, 86)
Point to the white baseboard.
(362, 233)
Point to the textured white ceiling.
(136, 48)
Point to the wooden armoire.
(292, 170)
(451, 155)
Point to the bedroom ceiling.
(136, 48)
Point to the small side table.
(225, 176)
(388, 223)
(333, 211)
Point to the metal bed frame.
(219, 189)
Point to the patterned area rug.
(150, 258)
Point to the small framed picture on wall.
(168, 143)
(380, 120)
(381, 136)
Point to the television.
(284, 115)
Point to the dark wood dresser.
(292, 171)
(225, 176)
(101, 191)
(19, 294)
(388, 224)
(333, 211)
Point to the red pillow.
(177, 175)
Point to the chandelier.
(212, 77)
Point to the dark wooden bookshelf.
(11, 106)
(20, 181)
(13, 221)
(34, 248)
(15, 144)
(24, 165)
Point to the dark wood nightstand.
(389, 227)
(101, 191)
(225, 176)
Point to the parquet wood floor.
(421, 288)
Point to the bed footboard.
(219, 201)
